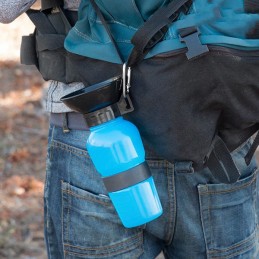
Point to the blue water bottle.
(117, 152)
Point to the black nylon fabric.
(200, 98)
(45, 48)
(181, 105)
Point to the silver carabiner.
(126, 77)
(128, 81)
(124, 80)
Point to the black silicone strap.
(127, 178)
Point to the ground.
(23, 140)
(23, 131)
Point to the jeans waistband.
(69, 120)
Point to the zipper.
(213, 48)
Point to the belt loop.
(184, 167)
(65, 123)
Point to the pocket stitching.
(247, 240)
(132, 242)
(244, 245)
(245, 249)
(136, 237)
(94, 199)
(205, 192)
(69, 148)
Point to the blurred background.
(23, 141)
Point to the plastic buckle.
(191, 38)
(125, 105)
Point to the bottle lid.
(102, 115)
(95, 97)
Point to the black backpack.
(198, 109)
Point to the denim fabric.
(202, 218)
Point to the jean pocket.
(228, 214)
(92, 229)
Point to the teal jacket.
(221, 22)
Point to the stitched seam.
(210, 225)
(114, 22)
(245, 249)
(99, 255)
(157, 163)
(88, 198)
(50, 143)
(69, 148)
(173, 224)
(229, 191)
(203, 225)
(68, 217)
(62, 221)
(46, 191)
(170, 185)
(127, 242)
(248, 240)
(84, 36)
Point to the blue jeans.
(202, 218)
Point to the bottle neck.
(102, 116)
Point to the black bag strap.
(49, 4)
(154, 29)
(221, 163)
(41, 22)
(28, 54)
(28, 51)
(51, 30)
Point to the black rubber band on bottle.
(127, 178)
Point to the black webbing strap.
(251, 6)
(49, 4)
(52, 28)
(127, 178)
(104, 23)
(28, 51)
(52, 42)
(41, 22)
(151, 32)
(28, 55)
(221, 163)
(252, 149)
(154, 29)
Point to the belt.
(69, 120)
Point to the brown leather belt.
(69, 120)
